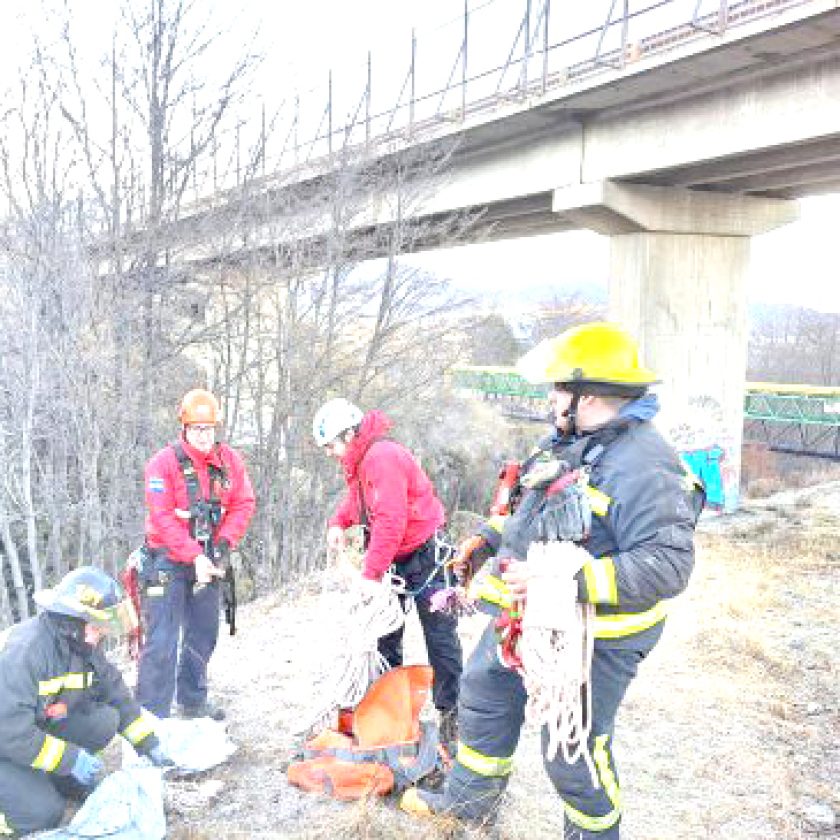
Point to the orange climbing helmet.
(199, 406)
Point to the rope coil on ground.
(372, 610)
(556, 652)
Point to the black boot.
(448, 730)
(208, 710)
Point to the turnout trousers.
(181, 623)
(422, 578)
(491, 712)
(32, 800)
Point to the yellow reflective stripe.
(50, 756)
(5, 829)
(53, 686)
(493, 590)
(483, 765)
(598, 500)
(626, 624)
(599, 574)
(75, 681)
(497, 523)
(139, 729)
(601, 758)
(588, 823)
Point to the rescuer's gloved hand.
(461, 562)
(86, 768)
(205, 570)
(158, 756)
(336, 540)
(572, 556)
(370, 590)
(565, 516)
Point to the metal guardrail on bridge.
(494, 55)
(799, 419)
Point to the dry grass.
(730, 731)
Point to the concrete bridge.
(679, 145)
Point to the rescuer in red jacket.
(392, 498)
(199, 501)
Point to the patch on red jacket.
(156, 485)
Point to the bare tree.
(794, 345)
(119, 295)
(563, 311)
(493, 341)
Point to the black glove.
(565, 516)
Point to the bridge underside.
(680, 156)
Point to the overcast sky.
(795, 264)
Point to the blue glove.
(159, 758)
(86, 768)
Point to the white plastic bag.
(126, 805)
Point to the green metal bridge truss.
(799, 419)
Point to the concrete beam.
(796, 106)
(612, 208)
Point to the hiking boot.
(433, 780)
(421, 803)
(205, 710)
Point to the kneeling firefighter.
(638, 553)
(62, 701)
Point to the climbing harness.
(444, 554)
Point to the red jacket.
(402, 509)
(166, 492)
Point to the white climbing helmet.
(333, 418)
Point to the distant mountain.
(517, 300)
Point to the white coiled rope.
(369, 611)
(556, 652)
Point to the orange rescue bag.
(378, 747)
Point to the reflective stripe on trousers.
(491, 713)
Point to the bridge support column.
(678, 267)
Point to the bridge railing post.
(464, 63)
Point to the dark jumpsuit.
(645, 504)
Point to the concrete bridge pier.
(678, 266)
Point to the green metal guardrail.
(763, 401)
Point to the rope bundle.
(372, 610)
(556, 652)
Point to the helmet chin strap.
(571, 413)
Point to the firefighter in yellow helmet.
(638, 553)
